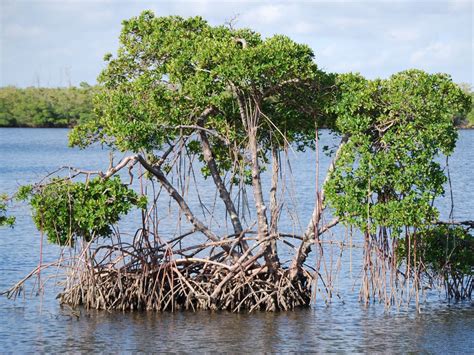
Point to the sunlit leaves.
(65, 210)
(168, 70)
(387, 174)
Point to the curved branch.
(212, 165)
(198, 225)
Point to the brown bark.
(274, 209)
(250, 119)
(158, 173)
(270, 248)
(223, 192)
(312, 230)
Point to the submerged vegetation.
(183, 97)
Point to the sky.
(62, 42)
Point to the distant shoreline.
(40, 127)
(67, 107)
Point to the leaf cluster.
(168, 70)
(67, 210)
(5, 220)
(387, 174)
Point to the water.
(38, 323)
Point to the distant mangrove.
(45, 107)
(67, 107)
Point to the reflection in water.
(40, 324)
(337, 328)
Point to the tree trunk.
(274, 209)
(270, 248)
(223, 192)
(158, 173)
(250, 119)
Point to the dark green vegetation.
(386, 178)
(387, 168)
(466, 120)
(66, 107)
(181, 91)
(45, 107)
(447, 255)
(66, 210)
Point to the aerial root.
(192, 286)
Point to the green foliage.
(5, 220)
(387, 175)
(45, 107)
(466, 119)
(168, 70)
(65, 210)
(445, 250)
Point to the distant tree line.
(45, 107)
(66, 107)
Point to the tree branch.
(305, 247)
(212, 165)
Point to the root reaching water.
(133, 279)
(191, 286)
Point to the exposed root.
(186, 284)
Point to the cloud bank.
(57, 43)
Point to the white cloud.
(435, 52)
(17, 31)
(349, 22)
(264, 14)
(404, 34)
(374, 37)
(304, 27)
(328, 51)
(460, 5)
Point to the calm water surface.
(38, 323)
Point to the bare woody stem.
(269, 247)
(158, 173)
(274, 210)
(312, 228)
(212, 165)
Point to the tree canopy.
(387, 174)
(169, 70)
(180, 88)
(45, 107)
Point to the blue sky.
(62, 42)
